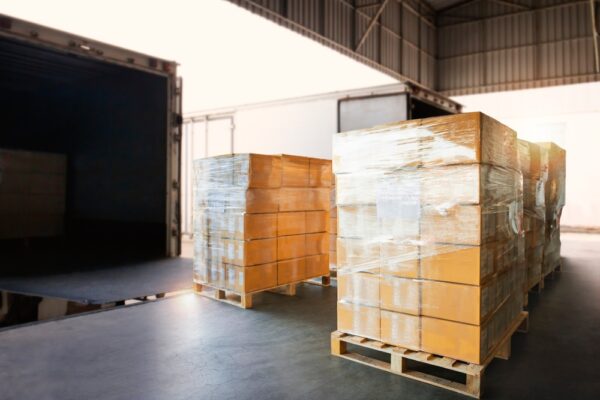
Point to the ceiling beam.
(371, 25)
(510, 4)
(595, 35)
(456, 6)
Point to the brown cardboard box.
(294, 171)
(291, 223)
(293, 246)
(359, 288)
(262, 200)
(317, 265)
(251, 279)
(461, 264)
(401, 295)
(317, 243)
(359, 320)
(399, 259)
(466, 139)
(317, 221)
(320, 173)
(289, 271)
(249, 252)
(318, 199)
(294, 199)
(467, 225)
(358, 255)
(400, 329)
(235, 224)
(259, 226)
(450, 301)
(470, 343)
(264, 171)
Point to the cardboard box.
(358, 255)
(470, 343)
(359, 320)
(262, 200)
(468, 225)
(320, 173)
(446, 185)
(449, 301)
(248, 252)
(291, 247)
(290, 271)
(291, 223)
(359, 288)
(398, 259)
(317, 243)
(317, 265)
(235, 224)
(294, 171)
(469, 265)
(251, 279)
(317, 221)
(400, 330)
(32, 194)
(264, 171)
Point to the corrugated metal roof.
(453, 46)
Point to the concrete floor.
(190, 347)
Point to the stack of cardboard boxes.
(32, 194)
(534, 213)
(553, 166)
(260, 221)
(429, 216)
(332, 228)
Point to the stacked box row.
(332, 228)
(553, 167)
(534, 211)
(32, 194)
(429, 217)
(260, 221)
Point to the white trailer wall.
(568, 116)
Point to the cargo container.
(303, 126)
(114, 115)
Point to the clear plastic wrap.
(534, 210)
(430, 217)
(553, 167)
(260, 221)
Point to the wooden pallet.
(399, 359)
(242, 300)
(324, 280)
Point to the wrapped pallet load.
(429, 220)
(332, 230)
(553, 171)
(534, 212)
(260, 222)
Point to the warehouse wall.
(567, 115)
(515, 48)
(476, 46)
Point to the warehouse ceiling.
(454, 46)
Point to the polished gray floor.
(190, 347)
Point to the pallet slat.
(399, 356)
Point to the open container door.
(114, 117)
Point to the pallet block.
(242, 300)
(399, 359)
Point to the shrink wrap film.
(430, 233)
(260, 221)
